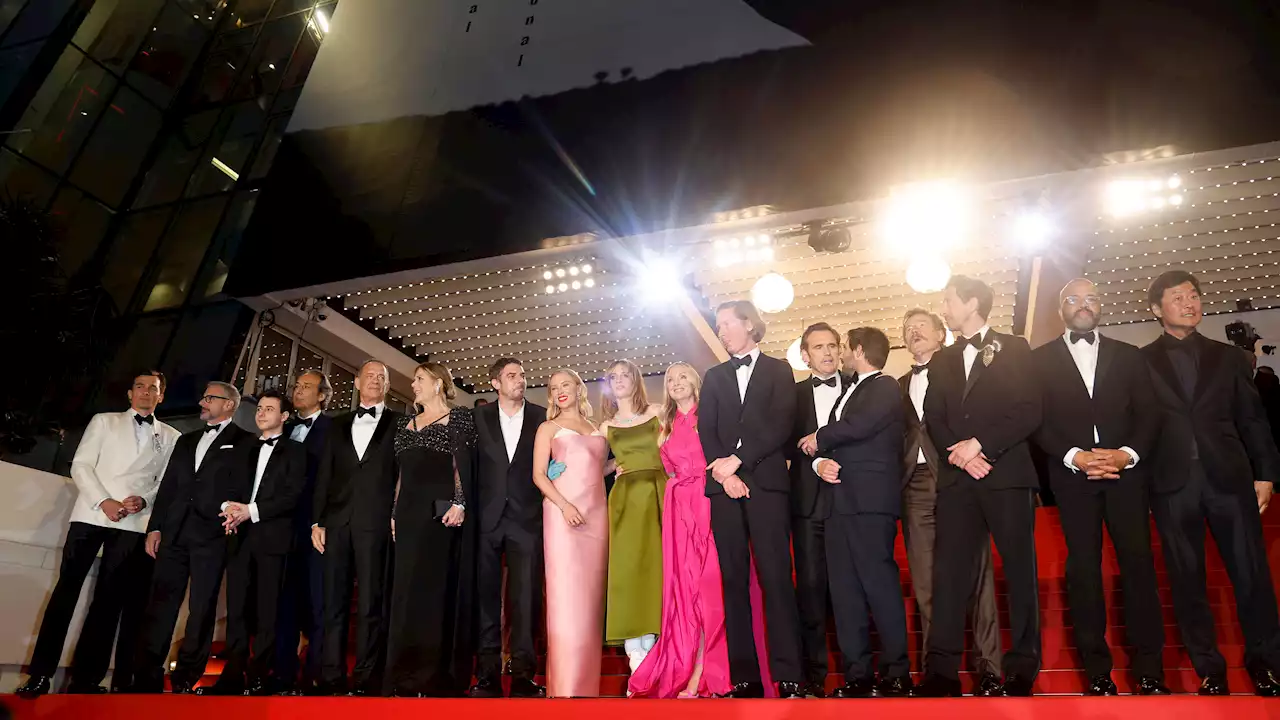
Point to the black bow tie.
(1085, 336)
(144, 419)
(306, 422)
(210, 428)
(744, 361)
(975, 341)
(917, 369)
(268, 441)
(370, 411)
(829, 382)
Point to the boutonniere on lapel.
(989, 352)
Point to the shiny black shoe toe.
(525, 688)
(34, 687)
(937, 686)
(788, 690)
(746, 690)
(815, 690)
(1016, 685)
(1153, 686)
(860, 688)
(1214, 685)
(989, 685)
(486, 687)
(1265, 683)
(895, 687)
(1101, 685)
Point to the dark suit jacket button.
(966, 416)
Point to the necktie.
(829, 382)
(306, 422)
(268, 441)
(975, 341)
(144, 419)
(744, 361)
(1086, 336)
(370, 411)
(917, 369)
(210, 428)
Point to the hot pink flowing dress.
(692, 595)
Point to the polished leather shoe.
(1101, 685)
(486, 687)
(788, 690)
(1265, 683)
(860, 688)
(937, 686)
(1153, 686)
(525, 688)
(266, 687)
(1016, 685)
(746, 690)
(221, 690)
(895, 687)
(180, 687)
(988, 686)
(1214, 685)
(815, 690)
(35, 686)
(76, 688)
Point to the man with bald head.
(1098, 425)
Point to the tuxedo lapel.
(738, 400)
(1160, 361)
(1067, 368)
(975, 372)
(808, 408)
(1210, 358)
(1106, 355)
(528, 431)
(128, 441)
(497, 447)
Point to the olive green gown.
(634, 600)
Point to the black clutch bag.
(441, 508)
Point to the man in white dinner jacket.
(117, 469)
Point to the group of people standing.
(687, 561)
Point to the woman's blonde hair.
(441, 373)
(553, 410)
(639, 398)
(669, 408)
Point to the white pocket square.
(226, 447)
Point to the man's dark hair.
(285, 405)
(479, 402)
(148, 373)
(817, 327)
(1170, 279)
(874, 344)
(968, 288)
(495, 370)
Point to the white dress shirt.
(206, 440)
(142, 432)
(511, 426)
(971, 352)
(362, 429)
(917, 386)
(1085, 356)
(743, 372)
(264, 457)
(825, 398)
(301, 431)
(845, 401)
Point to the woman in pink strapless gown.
(691, 658)
(575, 538)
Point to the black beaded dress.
(431, 640)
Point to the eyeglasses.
(1076, 300)
(211, 398)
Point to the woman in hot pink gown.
(691, 658)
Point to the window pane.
(63, 111)
(270, 144)
(234, 138)
(206, 11)
(37, 21)
(273, 361)
(119, 145)
(344, 389)
(266, 65)
(141, 350)
(283, 7)
(228, 56)
(183, 249)
(286, 101)
(8, 10)
(226, 244)
(303, 58)
(161, 65)
(84, 222)
(307, 359)
(130, 254)
(20, 178)
(168, 174)
(13, 66)
(248, 12)
(114, 29)
(200, 350)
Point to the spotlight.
(589, 282)
(659, 280)
(835, 239)
(586, 269)
(930, 216)
(1032, 230)
(559, 272)
(546, 275)
(928, 274)
(1128, 197)
(772, 293)
(551, 289)
(574, 271)
(562, 287)
(794, 358)
(576, 285)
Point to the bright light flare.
(928, 274)
(794, 357)
(659, 280)
(772, 293)
(1032, 230)
(928, 217)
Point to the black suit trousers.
(866, 583)
(178, 563)
(521, 544)
(1237, 530)
(759, 524)
(301, 611)
(1124, 508)
(969, 516)
(808, 541)
(361, 557)
(254, 583)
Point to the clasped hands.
(967, 455)
(234, 514)
(725, 471)
(117, 510)
(1101, 463)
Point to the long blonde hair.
(584, 407)
(639, 398)
(669, 408)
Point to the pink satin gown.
(692, 595)
(577, 562)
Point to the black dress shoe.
(1265, 683)
(1100, 685)
(1214, 685)
(486, 687)
(988, 686)
(35, 686)
(746, 690)
(1153, 686)
(815, 689)
(788, 690)
(333, 688)
(268, 686)
(860, 688)
(937, 686)
(1016, 685)
(220, 689)
(180, 687)
(77, 688)
(895, 687)
(525, 688)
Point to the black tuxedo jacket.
(1121, 409)
(866, 440)
(356, 492)
(503, 484)
(1223, 419)
(189, 501)
(999, 405)
(282, 485)
(810, 496)
(763, 422)
(304, 512)
(916, 435)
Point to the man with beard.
(1097, 428)
(924, 334)
(1215, 462)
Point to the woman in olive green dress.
(633, 612)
